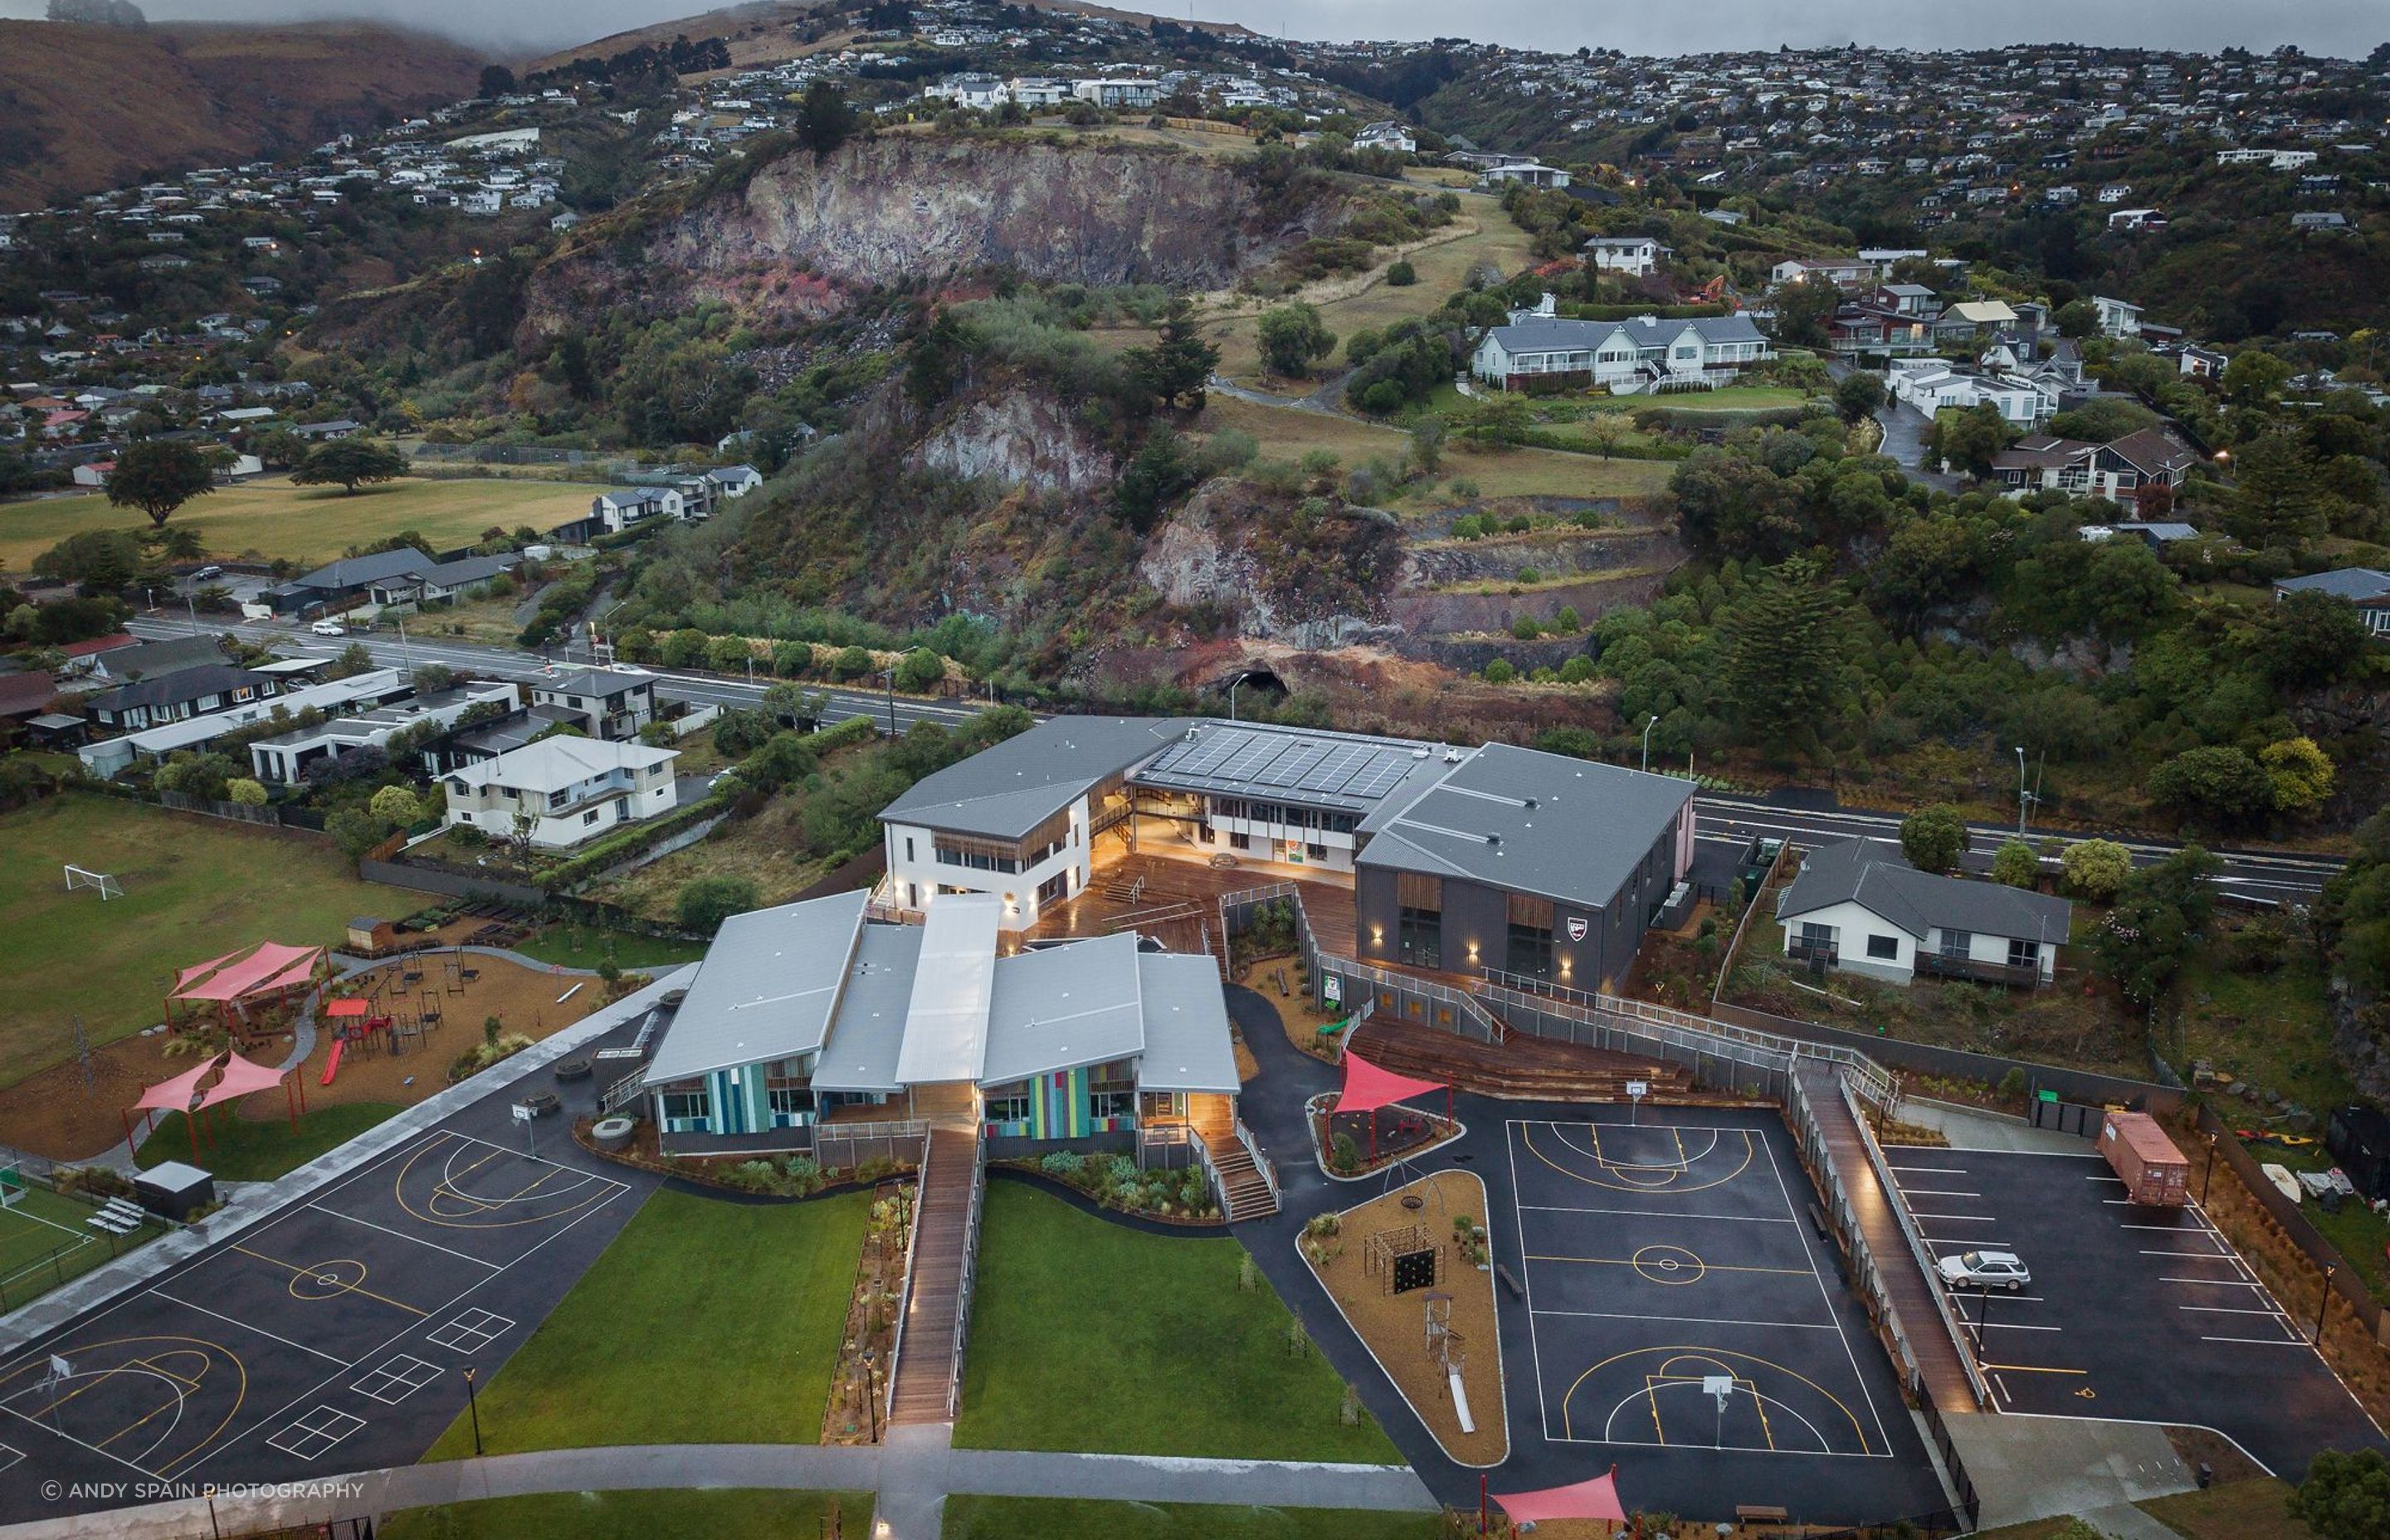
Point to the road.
(2258, 876)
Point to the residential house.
(568, 789)
(1124, 95)
(1858, 907)
(176, 695)
(2116, 317)
(338, 427)
(283, 759)
(1386, 135)
(339, 585)
(605, 703)
(373, 687)
(1534, 173)
(620, 509)
(129, 662)
(1842, 272)
(2366, 588)
(1628, 357)
(27, 693)
(1636, 256)
(2115, 470)
(442, 583)
(1969, 319)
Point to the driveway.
(1904, 441)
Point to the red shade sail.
(339, 1010)
(175, 1095)
(240, 1077)
(1367, 1087)
(230, 977)
(1595, 1499)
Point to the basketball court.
(1678, 1298)
(300, 1331)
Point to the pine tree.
(1784, 652)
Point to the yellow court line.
(1714, 1355)
(599, 1190)
(1528, 1139)
(299, 1272)
(188, 1386)
(1651, 1393)
(205, 1345)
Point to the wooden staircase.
(1249, 1195)
(925, 1358)
(1523, 1066)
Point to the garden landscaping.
(623, 1349)
(1087, 1335)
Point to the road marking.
(1936, 1192)
(2219, 1283)
(2261, 1341)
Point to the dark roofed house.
(347, 578)
(27, 693)
(2363, 586)
(155, 659)
(1860, 906)
(441, 583)
(179, 696)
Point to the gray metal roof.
(1875, 876)
(1187, 1042)
(1529, 822)
(1063, 1007)
(156, 660)
(356, 572)
(2355, 583)
(766, 990)
(869, 1031)
(1561, 334)
(1296, 765)
(1006, 791)
(184, 683)
(946, 1019)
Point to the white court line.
(1513, 1133)
(1817, 1274)
(231, 1320)
(404, 1235)
(1696, 1320)
(1657, 1213)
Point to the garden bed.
(1181, 1196)
(1339, 1141)
(791, 1178)
(1274, 979)
(858, 1383)
(1397, 1328)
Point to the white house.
(281, 759)
(571, 789)
(1643, 353)
(1843, 271)
(1633, 255)
(2116, 317)
(735, 481)
(1385, 135)
(1933, 386)
(977, 92)
(1124, 92)
(1532, 173)
(1033, 91)
(1858, 907)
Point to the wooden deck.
(1912, 1295)
(925, 1363)
(1521, 1067)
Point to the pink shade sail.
(1595, 1499)
(1367, 1087)
(240, 1078)
(200, 970)
(296, 974)
(270, 964)
(175, 1095)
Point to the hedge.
(614, 849)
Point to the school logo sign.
(1576, 928)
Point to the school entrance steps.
(1523, 1066)
(944, 1233)
(1249, 1196)
(1904, 1281)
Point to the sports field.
(194, 889)
(44, 1241)
(271, 517)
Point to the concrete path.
(1969, 1128)
(2123, 1521)
(2027, 1467)
(912, 1476)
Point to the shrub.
(2096, 870)
(1576, 671)
(1344, 1155)
(706, 902)
(1400, 274)
(1501, 671)
(1063, 1162)
(1526, 628)
(2016, 865)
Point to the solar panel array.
(1335, 771)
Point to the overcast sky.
(2349, 28)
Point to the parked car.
(211, 571)
(1985, 1270)
(329, 628)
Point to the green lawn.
(970, 1517)
(194, 889)
(1087, 1335)
(2239, 1511)
(271, 517)
(2273, 1029)
(718, 1513)
(2355, 1231)
(1287, 435)
(1731, 398)
(705, 1322)
(583, 946)
(240, 1150)
(44, 1241)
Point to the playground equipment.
(1401, 1260)
(1446, 1350)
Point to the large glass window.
(1008, 1104)
(687, 1106)
(1529, 951)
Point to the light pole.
(2209, 1173)
(473, 1404)
(1234, 686)
(889, 674)
(1647, 739)
(2325, 1304)
(2022, 795)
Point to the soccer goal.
(79, 877)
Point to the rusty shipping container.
(2139, 1151)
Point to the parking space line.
(2011, 1325)
(1906, 1191)
(2231, 1310)
(2216, 1283)
(1934, 1171)
(2031, 1369)
(1957, 1218)
(2195, 1256)
(2261, 1341)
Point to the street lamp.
(889, 674)
(1647, 739)
(474, 1405)
(1234, 686)
(2325, 1302)
(2022, 795)
(2209, 1173)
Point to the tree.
(2345, 1496)
(1933, 837)
(850, 662)
(1159, 471)
(2095, 869)
(2299, 772)
(1291, 336)
(1176, 367)
(2157, 922)
(1803, 309)
(396, 806)
(2213, 787)
(2015, 865)
(2274, 494)
(104, 562)
(245, 791)
(1427, 442)
(356, 831)
(353, 661)
(1857, 394)
(2076, 319)
(348, 463)
(496, 81)
(158, 476)
(2253, 378)
(706, 902)
(1970, 439)
(825, 120)
(1785, 640)
(1400, 274)
(1495, 419)
(2310, 639)
(277, 448)
(921, 671)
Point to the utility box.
(174, 1190)
(2153, 1170)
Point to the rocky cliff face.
(804, 229)
(1271, 573)
(1021, 440)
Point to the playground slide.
(1460, 1404)
(332, 1065)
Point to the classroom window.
(1009, 1106)
(687, 1107)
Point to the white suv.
(1985, 1270)
(329, 628)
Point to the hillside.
(87, 107)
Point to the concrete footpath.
(911, 1476)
